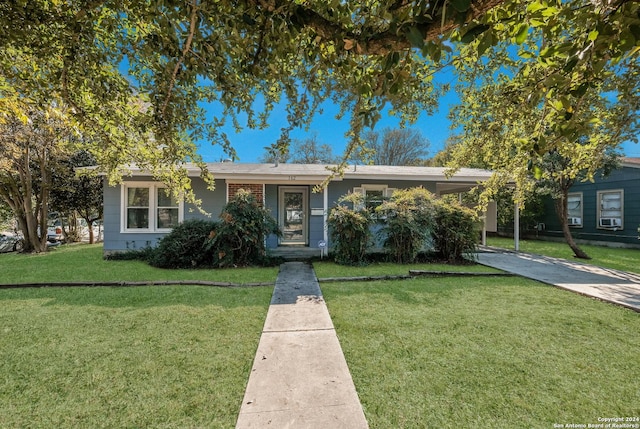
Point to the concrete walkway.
(609, 285)
(299, 377)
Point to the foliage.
(547, 115)
(77, 193)
(239, 239)
(145, 254)
(185, 246)
(403, 146)
(247, 57)
(530, 214)
(31, 148)
(455, 234)
(407, 219)
(349, 227)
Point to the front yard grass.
(485, 352)
(83, 262)
(162, 357)
(606, 257)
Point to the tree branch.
(185, 51)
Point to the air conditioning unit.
(610, 222)
(575, 221)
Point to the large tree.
(548, 139)
(248, 56)
(301, 151)
(401, 146)
(31, 149)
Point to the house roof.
(321, 171)
(317, 173)
(631, 162)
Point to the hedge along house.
(605, 211)
(138, 213)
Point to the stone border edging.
(133, 284)
(412, 274)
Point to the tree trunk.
(562, 210)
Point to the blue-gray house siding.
(273, 181)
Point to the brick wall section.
(255, 188)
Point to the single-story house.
(137, 214)
(605, 211)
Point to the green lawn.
(161, 357)
(485, 352)
(82, 262)
(426, 352)
(607, 257)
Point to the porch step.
(295, 253)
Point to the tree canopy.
(138, 74)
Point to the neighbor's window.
(148, 207)
(574, 209)
(611, 209)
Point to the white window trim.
(154, 189)
(581, 215)
(599, 210)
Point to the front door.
(293, 214)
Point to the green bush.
(407, 219)
(239, 239)
(456, 231)
(350, 231)
(144, 254)
(185, 246)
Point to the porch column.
(516, 227)
(325, 214)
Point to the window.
(374, 194)
(148, 207)
(574, 210)
(611, 209)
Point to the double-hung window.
(148, 207)
(374, 195)
(574, 210)
(611, 209)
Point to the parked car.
(54, 231)
(10, 242)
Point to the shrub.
(144, 254)
(239, 239)
(350, 230)
(456, 231)
(185, 246)
(407, 219)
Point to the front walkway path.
(610, 285)
(299, 377)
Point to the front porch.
(295, 253)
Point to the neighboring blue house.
(604, 211)
(137, 213)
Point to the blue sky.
(250, 144)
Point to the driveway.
(609, 285)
